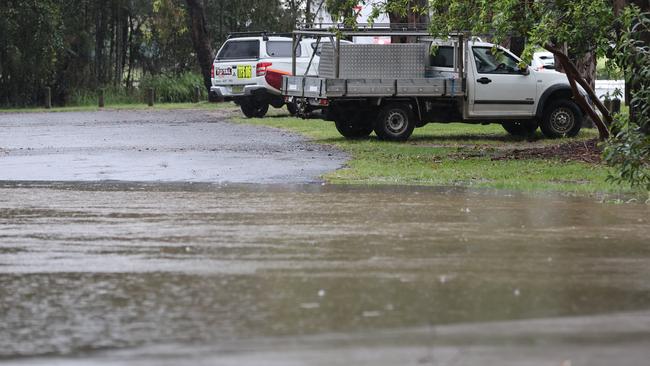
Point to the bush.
(169, 89)
(174, 89)
(112, 95)
(628, 151)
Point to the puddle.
(230, 268)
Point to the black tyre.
(351, 120)
(520, 128)
(253, 109)
(353, 128)
(562, 118)
(395, 122)
(292, 108)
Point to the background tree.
(200, 39)
(78, 46)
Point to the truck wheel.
(292, 108)
(520, 128)
(252, 109)
(353, 128)
(395, 122)
(561, 118)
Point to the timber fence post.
(150, 97)
(100, 98)
(48, 97)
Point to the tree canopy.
(73, 45)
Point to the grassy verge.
(451, 155)
(128, 106)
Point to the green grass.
(93, 108)
(451, 155)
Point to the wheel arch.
(414, 103)
(553, 93)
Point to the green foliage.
(608, 70)
(582, 25)
(76, 47)
(30, 35)
(628, 151)
(168, 89)
(174, 89)
(226, 16)
(113, 95)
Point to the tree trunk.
(574, 77)
(412, 19)
(200, 39)
(516, 44)
(585, 64)
(309, 16)
(100, 35)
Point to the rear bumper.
(225, 92)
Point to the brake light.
(212, 72)
(261, 68)
(274, 78)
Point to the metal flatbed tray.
(369, 70)
(318, 87)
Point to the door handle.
(484, 80)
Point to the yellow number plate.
(244, 71)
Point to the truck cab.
(498, 88)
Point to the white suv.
(248, 70)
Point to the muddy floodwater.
(204, 274)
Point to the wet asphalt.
(164, 146)
(96, 272)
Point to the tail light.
(261, 68)
(212, 72)
(274, 78)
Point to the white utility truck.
(249, 66)
(392, 89)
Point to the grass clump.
(168, 89)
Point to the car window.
(443, 57)
(280, 49)
(232, 50)
(499, 63)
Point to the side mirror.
(525, 71)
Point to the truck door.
(500, 88)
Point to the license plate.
(237, 89)
(224, 72)
(244, 71)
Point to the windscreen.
(240, 50)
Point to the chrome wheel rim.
(562, 120)
(396, 122)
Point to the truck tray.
(319, 87)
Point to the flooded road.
(203, 274)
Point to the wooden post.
(608, 104)
(48, 97)
(150, 97)
(616, 105)
(100, 98)
(197, 94)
